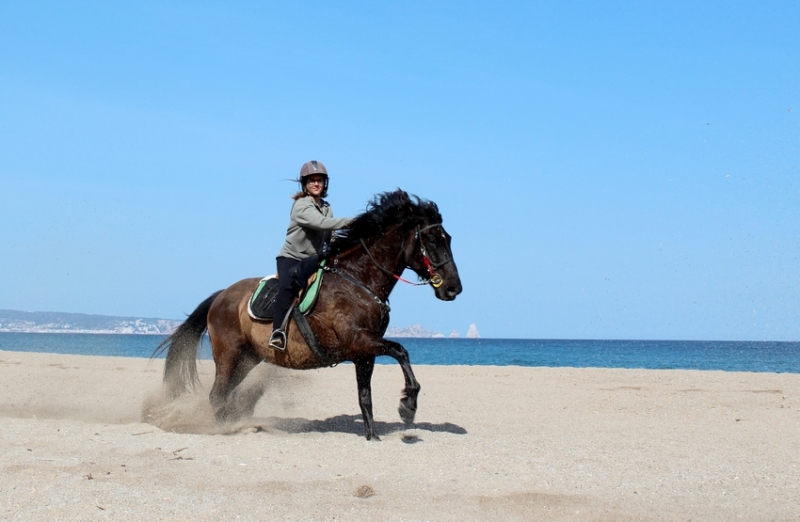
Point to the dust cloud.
(193, 413)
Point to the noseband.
(435, 279)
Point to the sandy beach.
(89, 438)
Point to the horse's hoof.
(406, 413)
(224, 417)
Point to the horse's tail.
(180, 368)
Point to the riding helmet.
(310, 168)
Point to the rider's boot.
(277, 340)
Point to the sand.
(490, 443)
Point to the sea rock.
(472, 332)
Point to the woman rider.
(310, 225)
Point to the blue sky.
(613, 170)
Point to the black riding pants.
(292, 277)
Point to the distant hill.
(60, 322)
(411, 331)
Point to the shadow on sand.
(350, 424)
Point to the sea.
(733, 356)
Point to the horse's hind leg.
(239, 403)
(234, 358)
(408, 403)
(364, 368)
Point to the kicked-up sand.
(90, 438)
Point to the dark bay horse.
(397, 231)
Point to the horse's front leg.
(408, 403)
(364, 368)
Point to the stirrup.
(277, 341)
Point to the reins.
(385, 309)
(389, 272)
(435, 279)
(383, 305)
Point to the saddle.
(261, 302)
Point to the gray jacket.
(309, 228)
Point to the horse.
(364, 263)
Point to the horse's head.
(429, 254)
(423, 246)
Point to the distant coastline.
(16, 321)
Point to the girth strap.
(311, 339)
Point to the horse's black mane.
(386, 209)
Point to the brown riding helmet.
(310, 168)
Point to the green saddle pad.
(309, 297)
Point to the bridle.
(434, 280)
